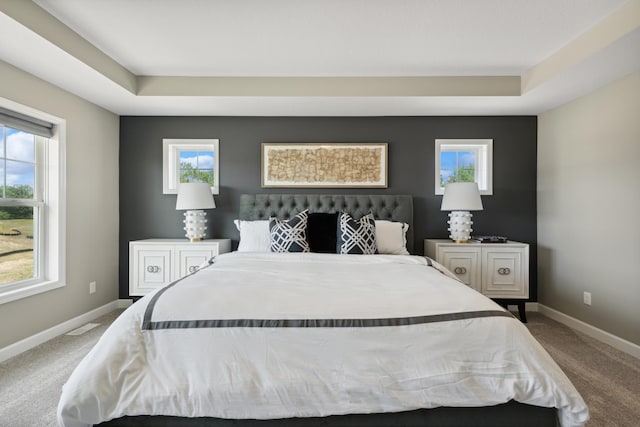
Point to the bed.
(318, 339)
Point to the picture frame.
(190, 160)
(324, 165)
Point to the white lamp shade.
(461, 196)
(194, 195)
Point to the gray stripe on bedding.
(148, 313)
(319, 323)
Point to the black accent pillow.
(291, 235)
(356, 237)
(321, 232)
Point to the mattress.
(269, 336)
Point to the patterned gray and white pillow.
(356, 237)
(289, 235)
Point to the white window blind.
(19, 121)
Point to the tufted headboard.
(389, 207)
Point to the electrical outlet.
(92, 287)
(587, 298)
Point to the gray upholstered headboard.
(389, 207)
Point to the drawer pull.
(460, 270)
(153, 269)
(504, 271)
(193, 269)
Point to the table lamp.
(194, 197)
(460, 198)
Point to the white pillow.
(254, 236)
(391, 237)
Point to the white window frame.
(51, 216)
(484, 166)
(171, 149)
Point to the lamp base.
(460, 226)
(194, 225)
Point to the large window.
(31, 221)
(464, 160)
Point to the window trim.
(52, 224)
(171, 149)
(484, 148)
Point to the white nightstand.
(154, 263)
(497, 270)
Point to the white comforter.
(259, 371)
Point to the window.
(190, 160)
(464, 160)
(31, 237)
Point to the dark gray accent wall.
(147, 213)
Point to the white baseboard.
(587, 329)
(64, 327)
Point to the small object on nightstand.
(489, 239)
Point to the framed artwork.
(190, 160)
(324, 165)
(464, 160)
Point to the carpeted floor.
(608, 379)
(30, 383)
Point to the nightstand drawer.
(189, 259)
(154, 268)
(463, 263)
(503, 273)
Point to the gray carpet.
(608, 379)
(30, 383)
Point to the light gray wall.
(589, 208)
(92, 147)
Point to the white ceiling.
(323, 39)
